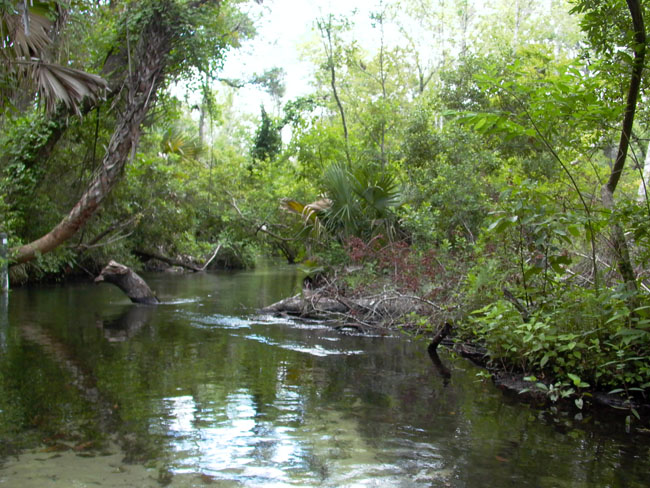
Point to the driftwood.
(439, 366)
(308, 306)
(128, 281)
(365, 311)
(440, 335)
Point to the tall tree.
(268, 140)
(639, 47)
(328, 28)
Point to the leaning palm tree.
(25, 41)
(165, 28)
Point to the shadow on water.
(206, 392)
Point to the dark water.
(200, 391)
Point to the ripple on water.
(216, 320)
(313, 350)
(180, 301)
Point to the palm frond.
(380, 192)
(343, 215)
(310, 212)
(25, 38)
(25, 33)
(176, 141)
(57, 83)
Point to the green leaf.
(544, 360)
(577, 381)
(480, 123)
(499, 225)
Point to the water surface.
(203, 391)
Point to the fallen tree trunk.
(305, 307)
(128, 281)
(168, 260)
(440, 335)
(178, 262)
(376, 309)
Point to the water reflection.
(443, 371)
(128, 324)
(209, 392)
(233, 440)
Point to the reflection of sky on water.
(232, 441)
(232, 437)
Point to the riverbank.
(390, 311)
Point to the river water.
(203, 391)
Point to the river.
(203, 391)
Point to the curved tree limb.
(632, 94)
(618, 237)
(129, 282)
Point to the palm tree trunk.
(142, 84)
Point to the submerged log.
(440, 335)
(439, 366)
(128, 281)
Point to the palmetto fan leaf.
(362, 201)
(24, 40)
(68, 85)
(309, 212)
(378, 191)
(25, 33)
(343, 215)
(176, 141)
(357, 204)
